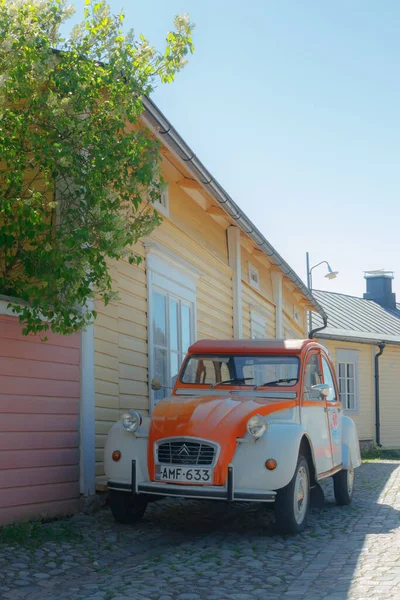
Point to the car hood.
(220, 418)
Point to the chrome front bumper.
(204, 492)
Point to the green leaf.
(74, 165)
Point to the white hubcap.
(301, 491)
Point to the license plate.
(184, 474)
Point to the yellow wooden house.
(363, 340)
(207, 272)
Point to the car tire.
(293, 501)
(343, 486)
(125, 507)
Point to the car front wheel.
(343, 486)
(125, 507)
(293, 501)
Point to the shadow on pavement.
(342, 548)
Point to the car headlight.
(131, 420)
(257, 426)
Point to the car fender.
(281, 443)
(132, 446)
(350, 443)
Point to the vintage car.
(248, 420)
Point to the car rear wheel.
(343, 486)
(293, 501)
(126, 507)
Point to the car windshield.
(241, 370)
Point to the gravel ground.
(189, 550)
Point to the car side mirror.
(322, 388)
(155, 384)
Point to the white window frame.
(350, 357)
(162, 205)
(254, 271)
(171, 274)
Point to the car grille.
(183, 452)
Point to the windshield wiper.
(276, 381)
(237, 380)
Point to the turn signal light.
(271, 464)
(116, 455)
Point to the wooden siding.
(294, 322)
(389, 384)
(364, 418)
(266, 290)
(39, 424)
(121, 353)
(253, 300)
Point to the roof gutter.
(171, 138)
(355, 339)
(312, 333)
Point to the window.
(254, 277)
(171, 289)
(312, 377)
(172, 336)
(162, 205)
(258, 326)
(347, 367)
(243, 370)
(328, 378)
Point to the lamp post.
(330, 275)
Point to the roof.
(357, 319)
(165, 131)
(249, 346)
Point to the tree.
(78, 170)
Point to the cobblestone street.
(187, 550)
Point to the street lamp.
(330, 275)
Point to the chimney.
(379, 288)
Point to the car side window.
(328, 378)
(312, 377)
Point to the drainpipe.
(314, 331)
(381, 347)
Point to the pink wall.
(39, 424)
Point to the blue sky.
(294, 107)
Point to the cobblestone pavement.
(189, 550)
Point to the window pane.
(186, 330)
(173, 324)
(210, 369)
(342, 370)
(350, 370)
(174, 365)
(350, 386)
(160, 371)
(159, 321)
(312, 377)
(329, 380)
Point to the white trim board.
(235, 263)
(87, 412)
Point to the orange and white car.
(248, 420)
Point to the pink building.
(41, 422)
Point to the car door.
(334, 409)
(313, 413)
